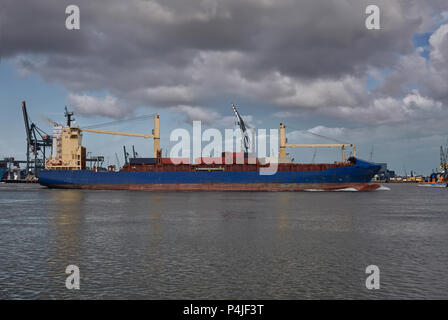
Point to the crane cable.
(320, 136)
(110, 123)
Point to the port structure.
(37, 141)
(444, 157)
(284, 144)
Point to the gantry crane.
(37, 141)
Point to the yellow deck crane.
(284, 145)
(155, 133)
(68, 152)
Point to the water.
(223, 245)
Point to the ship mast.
(69, 116)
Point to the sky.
(312, 65)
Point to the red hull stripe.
(227, 187)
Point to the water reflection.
(284, 208)
(66, 226)
(154, 205)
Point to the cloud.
(196, 114)
(168, 53)
(91, 106)
(413, 107)
(321, 92)
(414, 71)
(295, 59)
(330, 132)
(437, 79)
(208, 117)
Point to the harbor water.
(223, 245)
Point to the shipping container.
(134, 161)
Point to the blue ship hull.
(354, 176)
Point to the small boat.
(436, 180)
(435, 185)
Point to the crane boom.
(243, 127)
(27, 123)
(284, 145)
(329, 145)
(155, 132)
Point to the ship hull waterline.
(355, 177)
(228, 187)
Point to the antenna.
(69, 116)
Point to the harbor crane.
(245, 145)
(126, 155)
(37, 141)
(444, 157)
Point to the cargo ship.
(66, 168)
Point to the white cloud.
(415, 102)
(168, 94)
(413, 107)
(439, 43)
(321, 92)
(195, 113)
(90, 106)
(198, 113)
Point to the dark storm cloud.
(306, 54)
